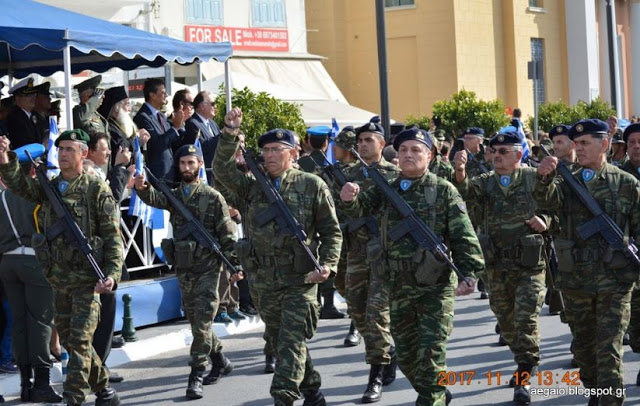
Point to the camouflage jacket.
(477, 164)
(446, 216)
(629, 168)
(94, 209)
(309, 200)
(86, 117)
(358, 174)
(618, 194)
(312, 163)
(210, 208)
(442, 169)
(504, 208)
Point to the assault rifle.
(66, 224)
(278, 209)
(411, 223)
(334, 171)
(192, 225)
(556, 300)
(601, 223)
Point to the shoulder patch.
(462, 206)
(108, 204)
(327, 193)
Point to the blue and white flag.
(52, 156)
(526, 152)
(203, 173)
(152, 218)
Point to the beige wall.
(437, 48)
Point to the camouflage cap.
(73, 135)
(188, 150)
(346, 139)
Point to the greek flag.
(151, 218)
(526, 152)
(203, 173)
(52, 155)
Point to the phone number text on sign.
(247, 39)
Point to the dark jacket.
(208, 137)
(22, 129)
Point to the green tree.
(551, 114)
(464, 110)
(421, 121)
(261, 113)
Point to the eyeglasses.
(502, 151)
(187, 103)
(274, 150)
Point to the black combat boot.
(42, 391)
(329, 310)
(107, 397)
(501, 341)
(26, 382)
(353, 337)
(194, 388)
(374, 388)
(389, 371)
(521, 391)
(269, 364)
(220, 367)
(314, 398)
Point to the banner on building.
(244, 39)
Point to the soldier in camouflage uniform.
(618, 149)
(284, 275)
(198, 270)
(77, 301)
(313, 163)
(596, 282)
(631, 137)
(367, 294)
(438, 166)
(421, 287)
(85, 114)
(514, 248)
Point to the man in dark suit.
(165, 137)
(21, 122)
(201, 126)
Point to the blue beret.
(375, 120)
(319, 131)
(561, 129)
(277, 135)
(588, 126)
(35, 150)
(187, 150)
(413, 134)
(505, 138)
(631, 128)
(73, 135)
(370, 128)
(474, 130)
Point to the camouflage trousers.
(77, 311)
(634, 322)
(421, 321)
(290, 314)
(516, 299)
(200, 302)
(598, 322)
(269, 345)
(367, 295)
(341, 274)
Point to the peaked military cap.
(561, 129)
(277, 135)
(475, 131)
(90, 83)
(439, 135)
(588, 126)
(505, 138)
(618, 137)
(319, 131)
(370, 128)
(55, 107)
(73, 135)
(188, 150)
(42, 88)
(631, 128)
(23, 87)
(413, 134)
(346, 139)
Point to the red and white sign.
(246, 39)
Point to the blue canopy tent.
(37, 38)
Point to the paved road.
(472, 351)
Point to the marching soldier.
(198, 270)
(514, 248)
(284, 274)
(596, 283)
(421, 287)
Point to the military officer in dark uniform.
(85, 114)
(21, 122)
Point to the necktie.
(160, 121)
